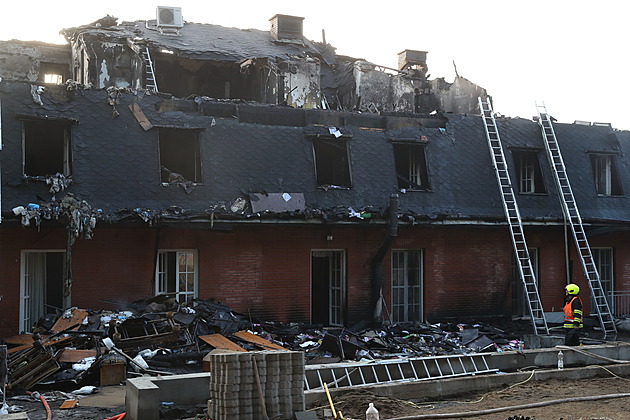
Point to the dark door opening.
(328, 287)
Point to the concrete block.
(142, 399)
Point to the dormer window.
(47, 147)
(180, 155)
(332, 164)
(606, 175)
(411, 167)
(528, 172)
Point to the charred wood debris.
(159, 336)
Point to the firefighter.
(573, 321)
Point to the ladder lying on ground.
(569, 207)
(151, 83)
(523, 261)
(340, 375)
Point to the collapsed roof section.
(279, 67)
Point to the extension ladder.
(569, 207)
(151, 83)
(523, 261)
(341, 375)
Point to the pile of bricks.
(240, 382)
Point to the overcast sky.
(572, 56)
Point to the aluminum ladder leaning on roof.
(150, 83)
(524, 263)
(572, 215)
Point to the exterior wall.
(302, 84)
(22, 60)
(459, 97)
(265, 271)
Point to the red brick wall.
(265, 271)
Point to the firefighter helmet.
(572, 289)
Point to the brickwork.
(265, 271)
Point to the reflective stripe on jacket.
(573, 313)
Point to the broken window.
(328, 283)
(180, 155)
(603, 259)
(41, 286)
(176, 273)
(411, 167)
(47, 147)
(528, 172)
(332, 165)
(407, 277)
(52, 73)
(606, 175)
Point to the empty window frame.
(47, 147)
(332, 164)
(52, 73)
(407, 279)
(605, 174)
(528, 172)
(603, 259)
(411, 167)
(180, 155)
(176, 273)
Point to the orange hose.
(117, 417)
(46, 406)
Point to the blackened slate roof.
(116, 165)
(206, 41)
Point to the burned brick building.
(291, 183)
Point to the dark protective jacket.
(573, 312)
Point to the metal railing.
(620, 302)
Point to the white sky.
(571, 55)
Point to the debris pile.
(160, 336)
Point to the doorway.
(328, 287)
(41, 286)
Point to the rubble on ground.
(159, 336)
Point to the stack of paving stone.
(235, 390)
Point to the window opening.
(176, 273)
(180, 156)
(606, 175)
(328, 284)
(530, 180)
(411, 167)
(603, 259)
(331, 162)
(46, 148)
(52, 73)
(56, 79)
(407, 279)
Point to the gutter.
(377, 261)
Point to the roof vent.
(169, 17)
(411, 58)
(286, 27)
